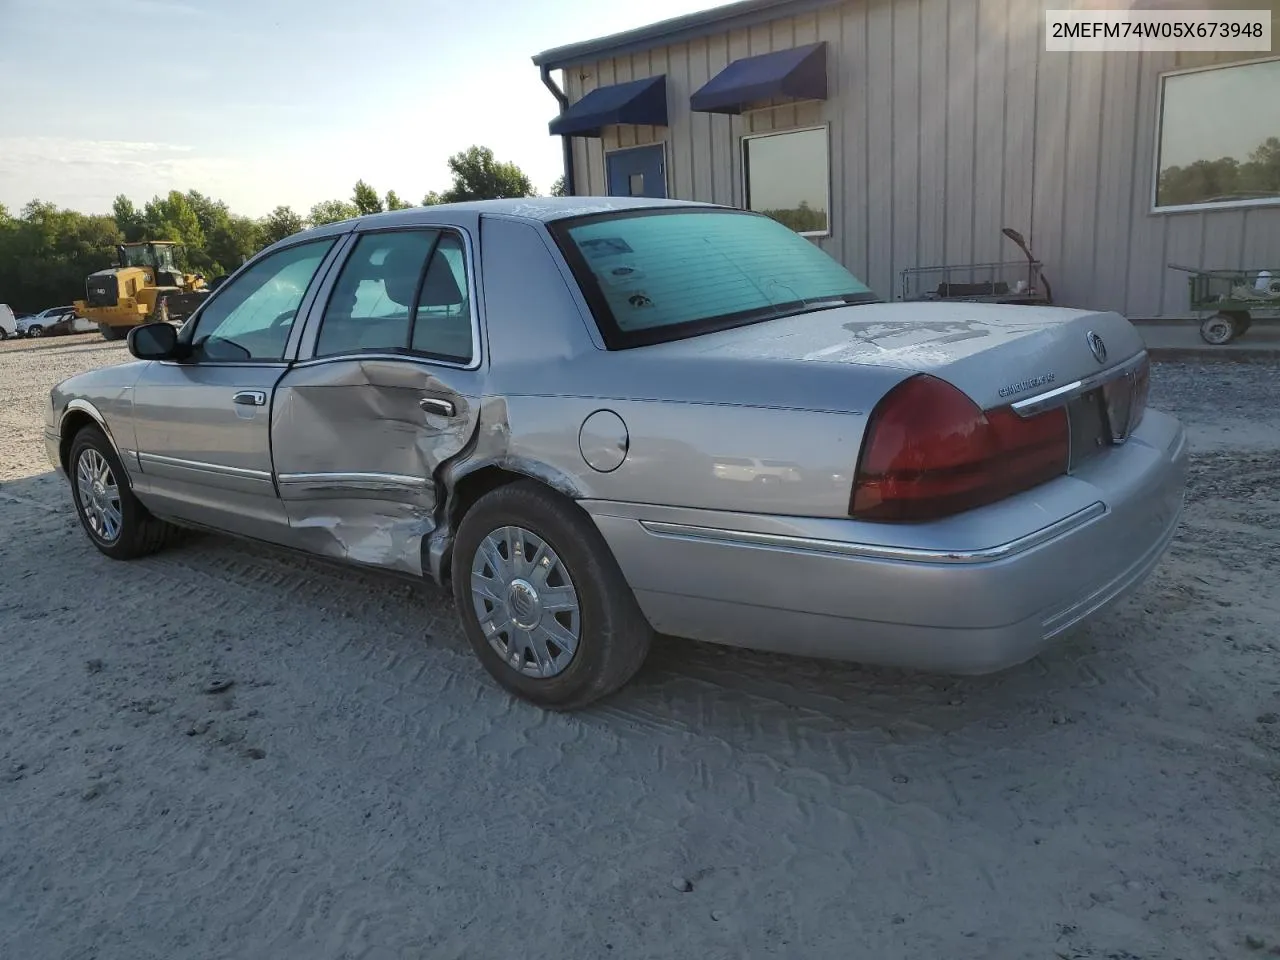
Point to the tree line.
(1226, 178)
(46, 252)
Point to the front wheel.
(543, 601)
(111, 333)
(115, 520)
(35, 330)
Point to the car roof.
(534, 209)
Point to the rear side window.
(651, 277)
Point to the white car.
(8, 325)
(54, 320)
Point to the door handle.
(437, 405)
(250, 398)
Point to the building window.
(1219, 141)
(787, 176)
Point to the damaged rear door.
(386, 390)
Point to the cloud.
(87, 174)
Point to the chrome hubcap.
(99, 495)
(525, 601)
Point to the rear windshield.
(653, 276)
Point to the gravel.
(364, 791)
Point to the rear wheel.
(1218, 329)
(4, 334)
(111, 333)
(543, 601)
(115, 520)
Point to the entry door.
(204, 445)
(202, 427)
(384, 394)
(637, 172)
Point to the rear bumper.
(966, 595)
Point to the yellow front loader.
(144, 285)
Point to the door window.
(372, 302)
(250, 317)
(401, 292)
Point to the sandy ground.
(359, 789)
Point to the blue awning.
(637, 101)
(796, 74)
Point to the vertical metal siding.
(949, 121)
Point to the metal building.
(908, 133)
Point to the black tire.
(112, 333)
(35, 330)
(614, 635)
(1218, 329)
(4, 334)
(1241, 320)
(139, 533)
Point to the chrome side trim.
(202, 467)
(352, 481)
(1061, 396)
(873, 551)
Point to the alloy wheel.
(525, 601)
(99, 495)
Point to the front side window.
(250, 317)
(787, 176)
(654, 276)
(401, 291)
(1219, 139)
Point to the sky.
(267, 102)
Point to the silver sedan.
(597, 418)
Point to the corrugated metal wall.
(949, 121)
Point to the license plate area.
(1090, 431)
(1100, 418)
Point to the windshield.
(654, 276)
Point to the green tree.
(331, 211)
(478, 176)
(802, 219)
(280, 223)
(395, 203)
(173, 218)
(46, 253)
(558, 187)
(232, 243)
(128, 219)
(366, 198)
(431, 199)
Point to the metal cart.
(1007, 281)
(1233, 299)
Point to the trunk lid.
(995, 353)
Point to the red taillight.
(930, 451)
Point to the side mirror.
(153, 341)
